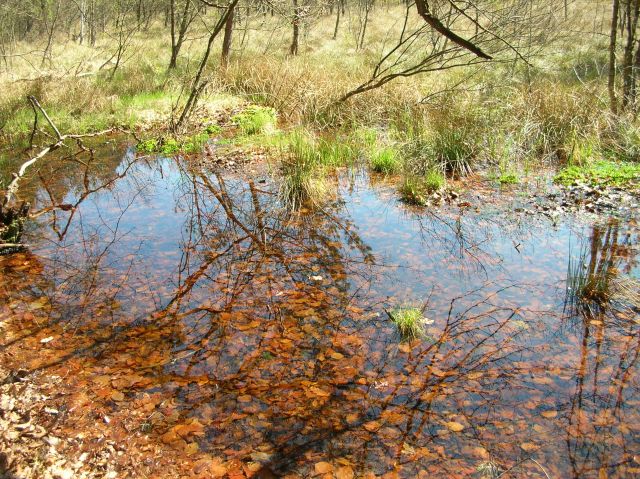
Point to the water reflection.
(219, 323)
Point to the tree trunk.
(335, 30)
(83, 21)
(172, 19)
(226, 42)
(296, 28)
(368, 4)
(613, 41)
(198, 84)
(628, 67)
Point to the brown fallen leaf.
(323, 467)
(549, 414)
(192, 426)
(344, 472)
(372, 426)
(528, 446)
(454, 426)
(117, 396)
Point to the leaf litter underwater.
(193, 320)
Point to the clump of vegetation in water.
(303, 179)
(453, 151)
(172, 146)
(385, 161)
(255, 119)
(410, 322)
(416, 190)
(603, 172)
(336, 152)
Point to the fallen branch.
(12, 189)
(12, 216)
(12, 245)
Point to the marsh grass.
(417, 190)
(256, 119)
(554, 111)
(410, 322)
(603, 172)
(303, 178)
(386, 161)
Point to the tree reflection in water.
(256, 334)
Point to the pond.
(224, 325)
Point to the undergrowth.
(602, 172)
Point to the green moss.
(255, 119)
(385, 161)
(600, 172)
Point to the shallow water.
(225, 324)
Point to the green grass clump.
(434, 181)
(453, 151)
(508, 179)
(385, 161)
(213, 129)
(336, 152)
(150, 145)
(255, 119)
(415, 190)
(172, 146)
(603, 172)
(303, 175)
(412, 192)
(195, 144)
(410, 322)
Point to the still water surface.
(198, 303)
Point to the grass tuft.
(410, 322)
(603, 172)
(508, 179)
(255, 120)
(385, 161)
(303, 178)
(416, 190)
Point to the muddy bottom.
(184, 323)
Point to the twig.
(522, 462)
(35, 103)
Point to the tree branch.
(423, 10)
